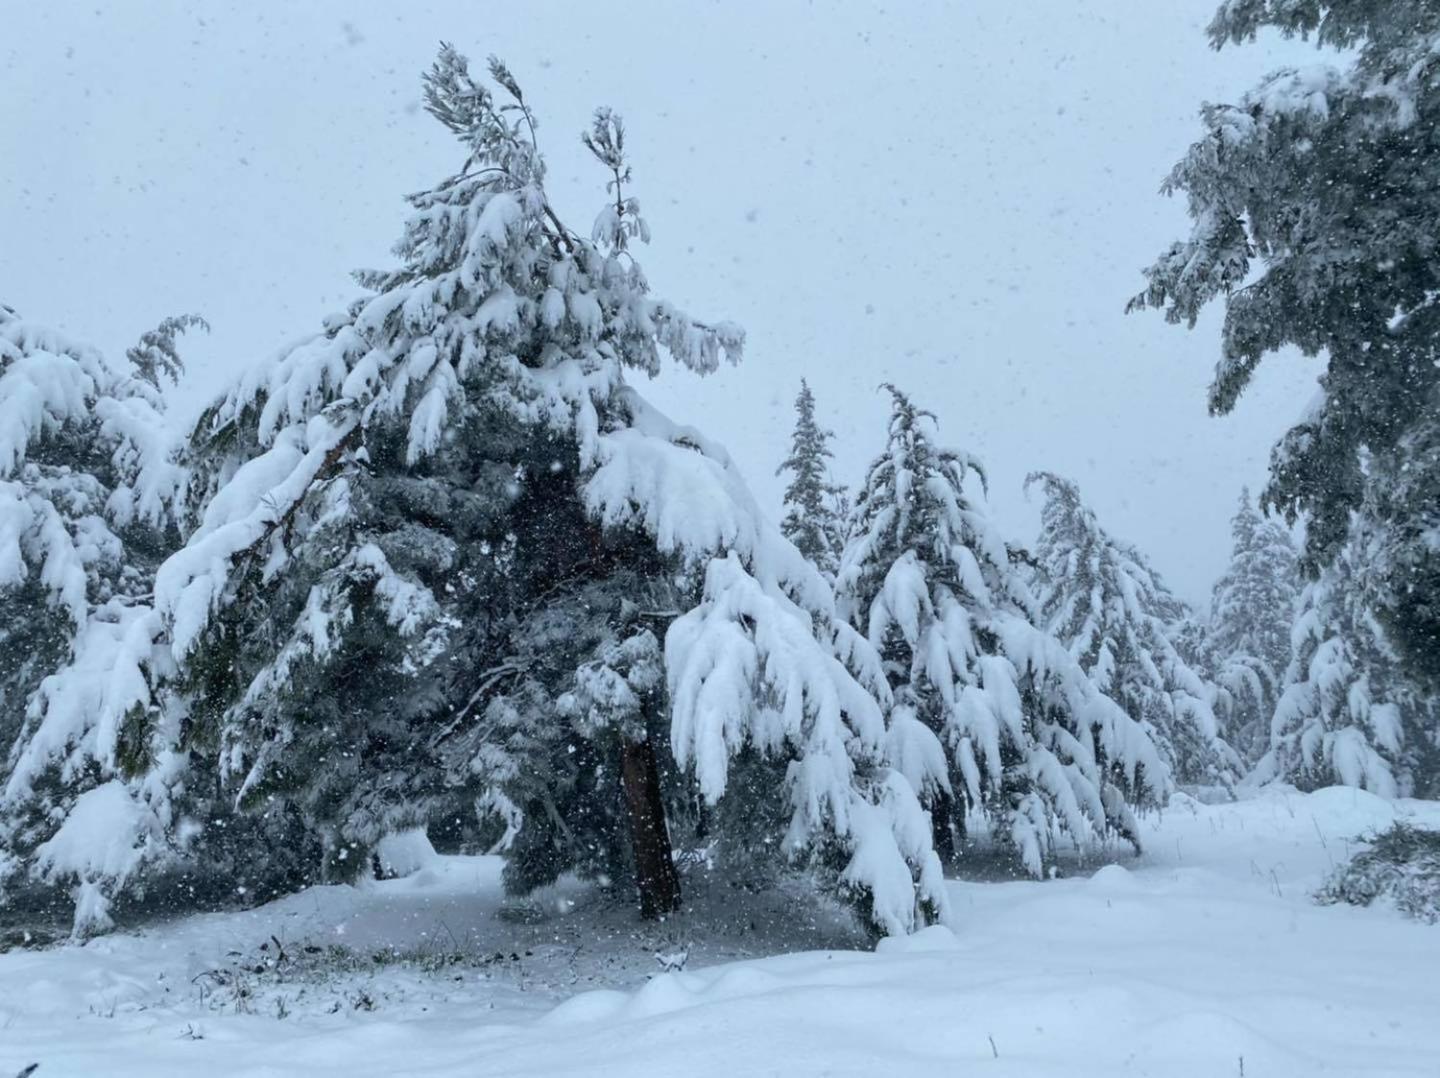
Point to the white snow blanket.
(1206, 952)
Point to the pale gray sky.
(956, 197)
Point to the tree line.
(441, 564)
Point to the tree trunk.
(655, 874)
(942, 811)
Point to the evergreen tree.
(992, 717)
(1400, 574)
(1326, 175)
(156, 354)
(1345, 715)
(1190, 633)
(76, 439)
(89, 496)
(1251, 611)
(815, 510)
(1101, 599)
(420, 536)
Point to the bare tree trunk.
(655, 874)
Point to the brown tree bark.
(655, 875)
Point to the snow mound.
(405, 853)
(1112, 879)
(926, 941)
(1350, 806)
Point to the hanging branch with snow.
(89, 495)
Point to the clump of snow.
(97, 836)
(929, 940)
(104, 838)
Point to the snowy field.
(1205, 952)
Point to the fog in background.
(955, 197)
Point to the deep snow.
(1204, 952)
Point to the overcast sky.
(956, 197)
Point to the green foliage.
(815, 506)
(1400, 524)
(1315, 210)
(35, 638)
(156, 354)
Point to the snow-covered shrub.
(1400, 865)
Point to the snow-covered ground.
(1205, 952)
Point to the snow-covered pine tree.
(89, 493)
(1190, 634)
(1102, 599)
(58, 532)
(1400, 574)
(815, 505)
(1326, 175)
(1346, 714)
(400, 512)
(560, 729)
(156, 355)
(992, 716)
(1252, 608)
